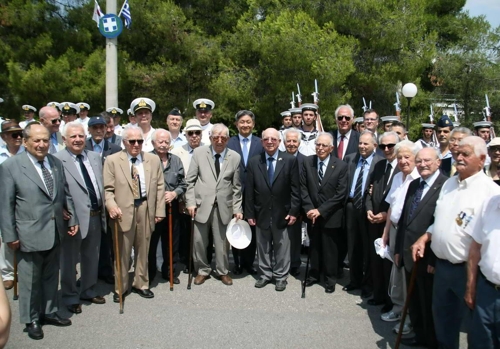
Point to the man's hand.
(73, 230)
(418, 248)
(252, 222)
(238, 216)
(370, 189)
(470, 297)
(158, 219)
(430, 269)
(192, 211)
(370, 216)
(291, 219)
(170, 196)
(66, 215)
(14, 245)
(115, 213)
(313, 214)
(396, 260)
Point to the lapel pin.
(279, 159)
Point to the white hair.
(160, 130)
(476, 143)
(219, 129)
(406, 145)
(388, 134)
(72, 124)
(290, 131)
(328, 134)
(127, 129)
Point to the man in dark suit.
(416, 217)
(247, 145)
(110, 134)
(345, 139)
(272, 204)
(360, 168)
(323, 183)
(38, 213)
(376, 210)
(291, 141)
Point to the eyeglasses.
(383, 146)
(321, 145)
(16, 135)
(55, 121)
(134, 141)
(270, 139)
(190, 133)
(494, 149)
(341, 117)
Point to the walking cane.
(16, 295)
(190, 268)
(118, 266)
(407, 303)
(170, 247)
(307, 264)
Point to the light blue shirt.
(274, 156)
(366, 169)
(179, 141)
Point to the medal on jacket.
(460, 218)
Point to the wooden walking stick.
(170, 245)
(118, 266)
(16, 295)
(407, 303)
(307, 265)
(190, 267)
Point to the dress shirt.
(429, 182)
(147, 146)
(275, 156)
(325, 164)
(347, 136)
(90, 170)
(222, 156)
(101, 144)
(397, 193)
(248, 143)
(366, 169)
(5, 154)
(118, 130)
(140, 169)
(459, 199)
(179, 141)
(38, 168)
(446, 155)
(205, 132)
(487, 233)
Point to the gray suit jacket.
(204, 189)
(78, 188)
(29, 214)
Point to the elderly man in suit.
(83, 172)
(247, 146)
(135, 197)
(345, 139)
(38, 214)
(416, 217)
(323, 185)
(272, 203)
(213, 197)
(360, 169)
(50, 118)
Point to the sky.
(489, 8)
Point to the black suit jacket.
(352, 161)
(329, 197)
(352, 145)
(109, 148)
(270, 203)
(410, 230)
(376, 201)
(255, 149)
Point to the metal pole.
(408, 115)
(111, 63)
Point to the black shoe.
(373, 301)
(116, 297)
(55, 320)
(386, 308)
(330, 289)
(310, 281)
(295, 272)
(34, 330)
(143, 293)
(75, 308)
(237, 270)
(366, 293)
(262, 283)
(412, 342)
(349, 287)
(186, 270)
(251, 270)
(108, 279)
(176, 279)
(280, 285)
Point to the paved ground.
(217, 316)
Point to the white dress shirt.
(90, 171)
(140, 170)
(38, 168)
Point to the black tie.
(358, 202)
(88, 182)
(217, 165)
(47, 178)
(387, 174)
(416, 199)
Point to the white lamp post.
(409, 91)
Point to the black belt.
(138, 202)
(94, 213)
(495, 286)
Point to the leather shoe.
(280, 285)
(366, 294)
(176, 279)
(34, 330)
(349, 287)
(75, 308)
(226, 280)
(199, 279)
(108, 279)
(95, 300)
(411, 342)
(55, 320)
(237, 270)
(262, 283)
(251, 270)
(8, 284)
(374, 302)
(330, 289)
(295, 272)
(143, 293)
(310, 282)
(116, 297)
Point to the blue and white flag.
(127, 17)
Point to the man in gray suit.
(38, 214)
(213, 197)
(83, 172)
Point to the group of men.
(346, 189)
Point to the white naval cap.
(28, 107)
(83, 105)
(115, 111)
(69, 108)
(482, 124)
(142, 103)
(286, 113)
(390, 118)
(204, 104)
(54, 105)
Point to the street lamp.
(409, 91)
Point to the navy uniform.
(29, 115)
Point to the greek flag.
(127, 17)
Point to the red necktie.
(340, 148)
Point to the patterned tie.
(340, 149)
(245, 150)
(320, 171)
(416, 199)
(136, 183)
(270, 170)
(47, 178)
(358, 202)
(88, 182)
(217, 165)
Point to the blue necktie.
(270, 170)
(416, 199)
(320, 171)
(245, 150)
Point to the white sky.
(489, 8)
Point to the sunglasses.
(16, 135)
(134, 141)
(190, 133)
(383, 146)
(340, 117)
(55, 121)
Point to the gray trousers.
(397, 283)
(277, 240)
(85, 251)
(200, 244)
(295, 235)
(38, 276)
